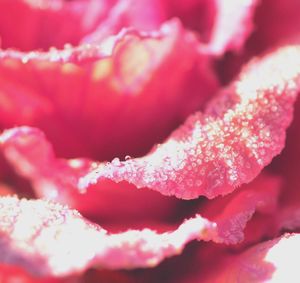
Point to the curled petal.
(36, 160)
(57, 179)
(47, 23)
(266, 262)
(129, 13)
(44, 238)
(232, 213)
(10, 273)
(48, 239)
(227, 145)
(222, 24)
(63, 91)
(232, 26)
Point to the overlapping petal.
(43, 237)
(118, 93)
(57, 179)
(238, 134)
(47, 23)
(232, 26)
(270, 261)
(11, 273)
(287, 29)
(221, 25)
(63, 91)
(251, 203)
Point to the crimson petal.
(43, 238)
(233, 24)
(63, 91)
(266, 262)
(47, 23)
(233, 212)
(287, 29)
(213, 153)
(222, 24)
(56, 179)
(10, 273)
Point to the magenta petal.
(11, 273)
(49, 239)
(129, 14)
(237, 136)
(232, 25)
(232, 213)
(273, 261)
(36, 161)
(43, 238)
(57, 179)
(46, 23)
(287, 29)
(63, 91)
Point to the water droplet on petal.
(116, 162)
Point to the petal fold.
(43, 238)
(270, 261)
(63, 91)
(228, 145)
(48, 23)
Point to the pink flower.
(138, 144)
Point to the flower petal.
(57, 179)
(129, 13)
(47, 23)
(232, 26)
(10, 273)
(43, 238)
(63, 91)
(222, 24)
(213, 153)
(266, 262)
(225, 225)
(287, 29)
(233, 212)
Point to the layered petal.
(221, 25)
(118, 96)
(43, 237)
(57, 179)
(253, 203)
(271, 261)
(129, 13)
(10, 273)
(233, 24)
(44, 24)
(103, 87)
(227, 145)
